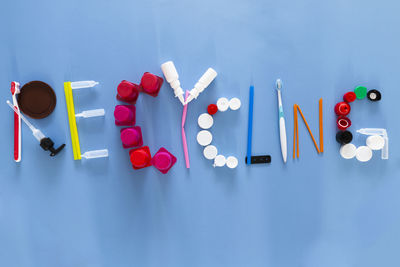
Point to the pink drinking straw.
(185, 147)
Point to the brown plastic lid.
(37, 99)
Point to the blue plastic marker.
(250, 124)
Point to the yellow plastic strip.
(72, 121)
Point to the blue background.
(317, 211)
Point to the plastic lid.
(130, 136)
(232, 162)
(210, 152)
(349, 97)
(344, 137)
(37, 99)
(374, 95)
(149, 82)
(223, 104)
(139, 158)
(205, 121)
(363, 153)
(219, 161)
(343, 123)
(162, 161)
(361, 92)
(126, 89)
(348, 151)
(204, 138)
(342, 108)
(122, 113)
(234, 103)
(212, 109)
(375, 142)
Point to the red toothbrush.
(17, 123)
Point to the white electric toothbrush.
(282, 127)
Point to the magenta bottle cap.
(163, 160)
(124, 115)
(131, 137)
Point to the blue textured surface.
(319, 211)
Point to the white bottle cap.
(363, 153)
(375, 142)
(232, 162)
(210, 152)
(170, 72)
(204, 138)
(205, 121)
(223, 104)
(348, 151)
(219, 161)
(234, 103)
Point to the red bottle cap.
(343, 123)
(212, 109)
(128, 92)
(349, 97)
(151, 83)
(342, 109)
(140, 157)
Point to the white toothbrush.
(282, 127)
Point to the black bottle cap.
(48, 144)
(259, 159)
(344, 137)
(374, 95)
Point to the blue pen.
(250, 124)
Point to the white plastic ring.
(205, 121)
(210, 152)
(204, 138)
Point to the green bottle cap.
(361, 92)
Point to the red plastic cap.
(343, 123)
(349, 97)
(140, 157)
(128, 92)
(212, 109)
(342, 109)
(131, 137)
(125, 115)
(151, 84)
(163, 160)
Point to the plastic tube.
(91, 113)
(102, 153)
(83, 84)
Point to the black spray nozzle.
(48, 144)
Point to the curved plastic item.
(342, 109)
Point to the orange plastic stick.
(308, 128)
(294, 130)
(321, 128)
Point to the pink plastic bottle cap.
(124, 115)
(163, 160)
(131, 137)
